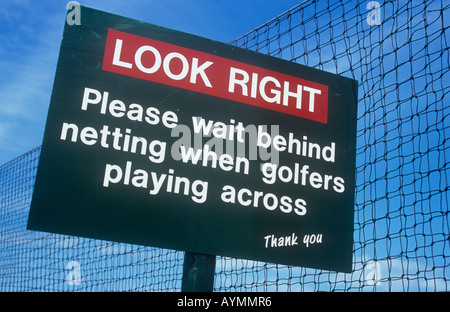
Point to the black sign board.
(162, 138)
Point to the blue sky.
(403, 160)
(30, 35)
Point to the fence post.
(198, 272)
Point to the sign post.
(161, 138)
(198, 272)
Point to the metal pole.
(198, 272)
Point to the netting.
(399, 53)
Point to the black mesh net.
(399, 53)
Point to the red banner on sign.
(197, 71)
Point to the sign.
(162, 138)
(217, 76)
